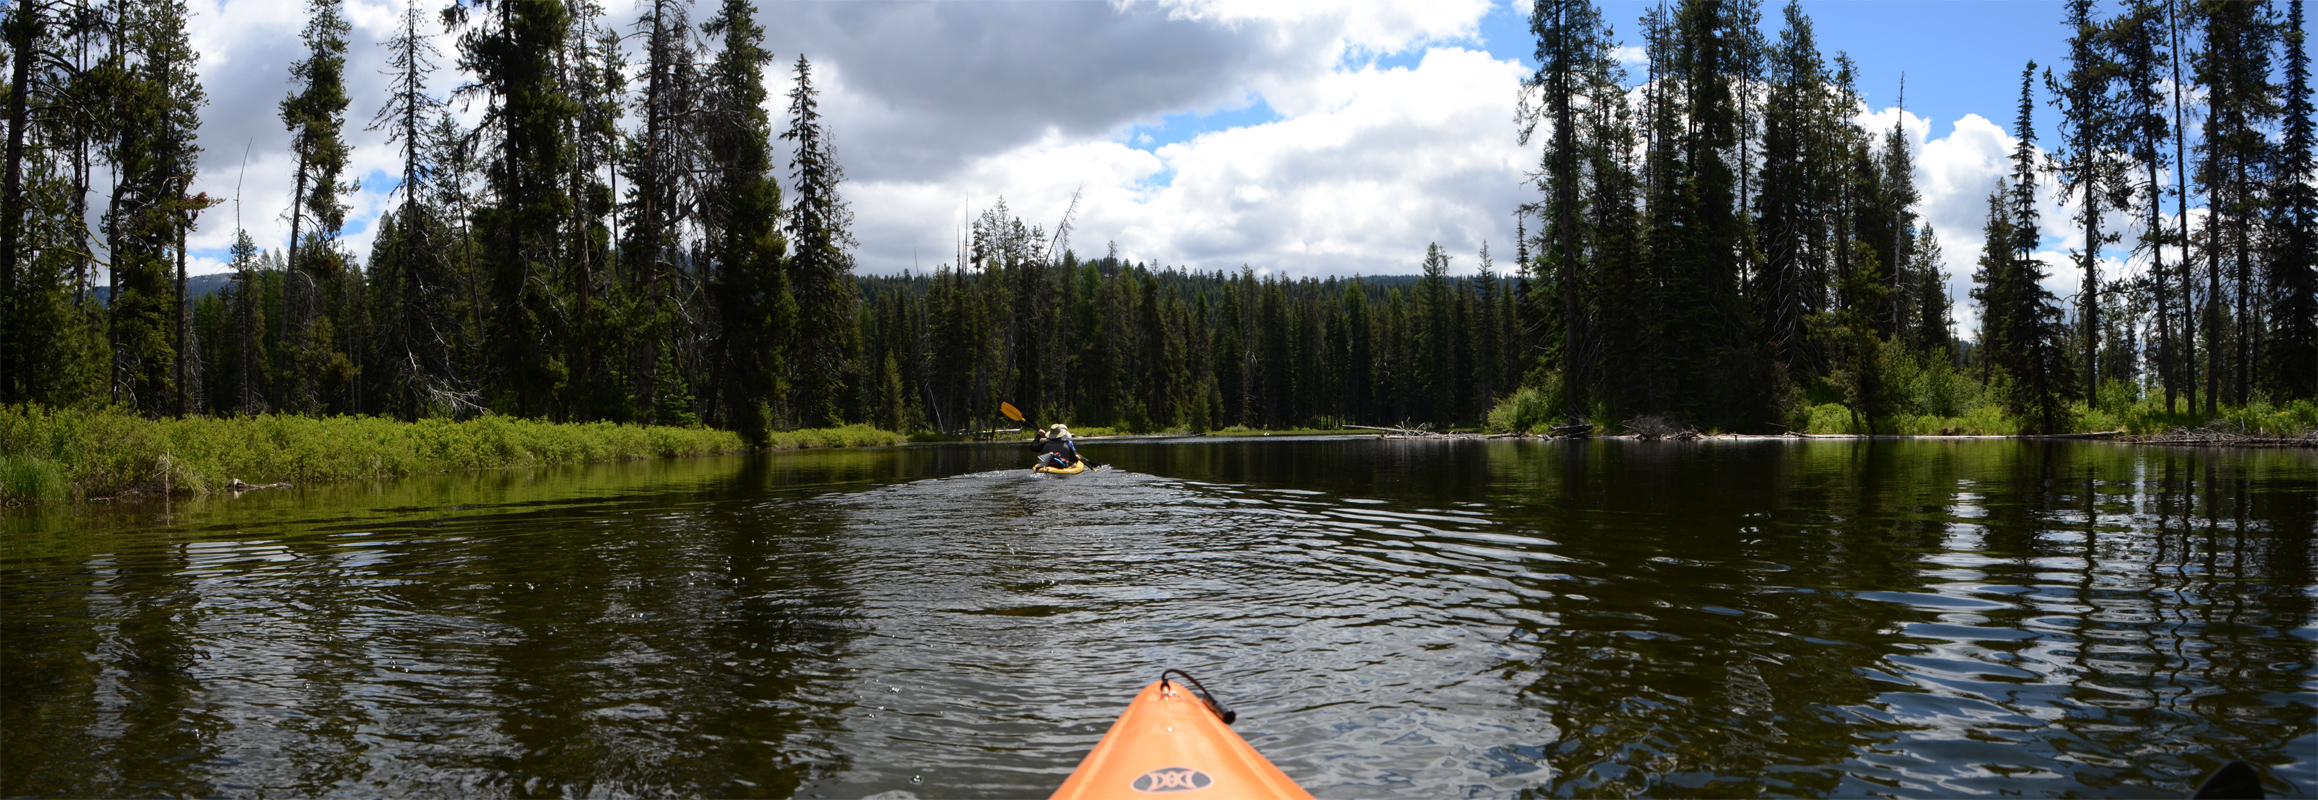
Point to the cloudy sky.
(1299, 137)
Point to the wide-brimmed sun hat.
(1059, 431)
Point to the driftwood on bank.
(1661, 426)
(1417, 433)
(1393, 431)
(2225, 433)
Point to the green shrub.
(2260, 417)
(1987, 419)
(1830, 418)
(1930, 385)
(1527, 410)
(1919, 425)
(2099, 420)
(2301, 416)
(2118, 397)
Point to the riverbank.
(64, 454)
(1534, 411)
(2259, 419)
(1107, 433)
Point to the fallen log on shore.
(1411, 433)
(1396, 431)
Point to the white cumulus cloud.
(1395, 160)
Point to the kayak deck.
(1073, 469)
(1169, 742)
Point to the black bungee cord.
(1227, 715)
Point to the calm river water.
(1390, 619)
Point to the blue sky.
(1957, 56)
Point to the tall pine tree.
(511, 50)
(159, 98)
(741, 210)
(2019, 318)
(2136, 42)
(2086, 165)
(1572, 45)
(821, 262)
(2292, 268)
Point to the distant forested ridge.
(1108, 342)
(1714, 239)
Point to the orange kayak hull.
(1169, 745)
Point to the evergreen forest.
(618, 238)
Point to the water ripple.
(1501, 620)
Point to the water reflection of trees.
(1909, 617)
(677, 644)
(502, 633)
(122, 711)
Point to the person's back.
(1057, 451)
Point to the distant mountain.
(196, 286)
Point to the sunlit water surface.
(1389, 618)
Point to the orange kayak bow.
(1173, 744)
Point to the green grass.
(2139, 417)
(1528, 410)
(57, 454)
(848, 436)
(2259, 417)
(1933, 398)
(1981, 420)
(31, 478)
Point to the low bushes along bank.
(1533, 410)
(2142, 417)
(54, 454)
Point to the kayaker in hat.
(1057, 452)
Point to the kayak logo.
(1172, 779)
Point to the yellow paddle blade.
(1010, 411)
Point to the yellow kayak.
(1073, 469)
(1172, 743)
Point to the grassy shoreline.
(1102, 432)
(49, 454)
(1533, 410)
